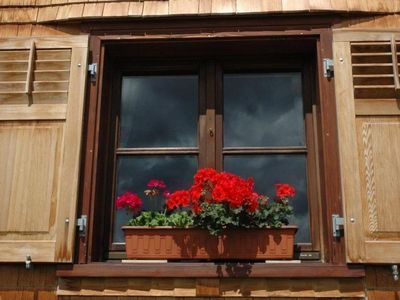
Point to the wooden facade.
(359, 139)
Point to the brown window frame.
(210, 149)
(90, 248)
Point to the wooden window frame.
(210, 149)
(90, 247)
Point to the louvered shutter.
(368, 104)
(42, 83)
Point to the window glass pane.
(263, 110)
(134, 172)
(159, 111)
(268, 170)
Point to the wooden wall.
(40, 11)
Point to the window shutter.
(42, 87)
(368, 103)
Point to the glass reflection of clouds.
(268, 170)
(134, 172)
(159, 111)
(263, 110)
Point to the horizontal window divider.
(279, 269)
(264, 150)
(152, 151)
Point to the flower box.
(164, 242)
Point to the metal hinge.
(82, 225)
(92, 68)
(328, 67)
(337, 225)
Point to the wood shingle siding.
(40, 11)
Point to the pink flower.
(166, 194)
(156, 183)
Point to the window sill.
(211, 270)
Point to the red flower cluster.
(214, 187)
(129, 201)
(284, 190)
(156, 183)
(178, 199)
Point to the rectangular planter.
(194, 243)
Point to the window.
(248, 114)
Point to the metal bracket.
(328, 67)
(82, 225)
(395, 272)
(337, 224)
(92, 68)
(28, 263)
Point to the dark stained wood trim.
(264, 150)
(90, 149)
(145, 151)
(211, 270)
(329, 153)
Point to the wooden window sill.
(211, 270)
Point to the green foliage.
(215, 217)
(154, 218)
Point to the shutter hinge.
(337, 226)
(82, 225)
(328, 67)
(28, 263)
(92, 68)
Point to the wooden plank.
(223, 6)
(205, 6)
(318, 5)
(182, 7)
(71, 159)
(16, 251)
(49, 75)
(53, 54)
(135, 8)
(93, 10)
(382, 295)
(386, 252)
(357, 5)
(71, 11)
(25, 15)
(210, 270)
(248, 6)
(290, 5)
(154, 8)
(14, 55)
(49, 85)
(12, 76)
(47, 13)
(25, 30)
(33, 112)
(21, 65)
(116, 9)
(348, 155)
(377, 107)
(208, 287)
(51, 65)
(17, 295)
(12, 86)
(339, 5)
(49, 42)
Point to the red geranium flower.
(156, 183)
(284, 190)
(178, 199)
(129, 201)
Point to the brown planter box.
(193, 243)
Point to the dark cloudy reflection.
(134, 172)
(268, 170)
(263, 110)
(159, 111)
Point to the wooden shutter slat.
(40, 135)
(40, 75)
(12, 76)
